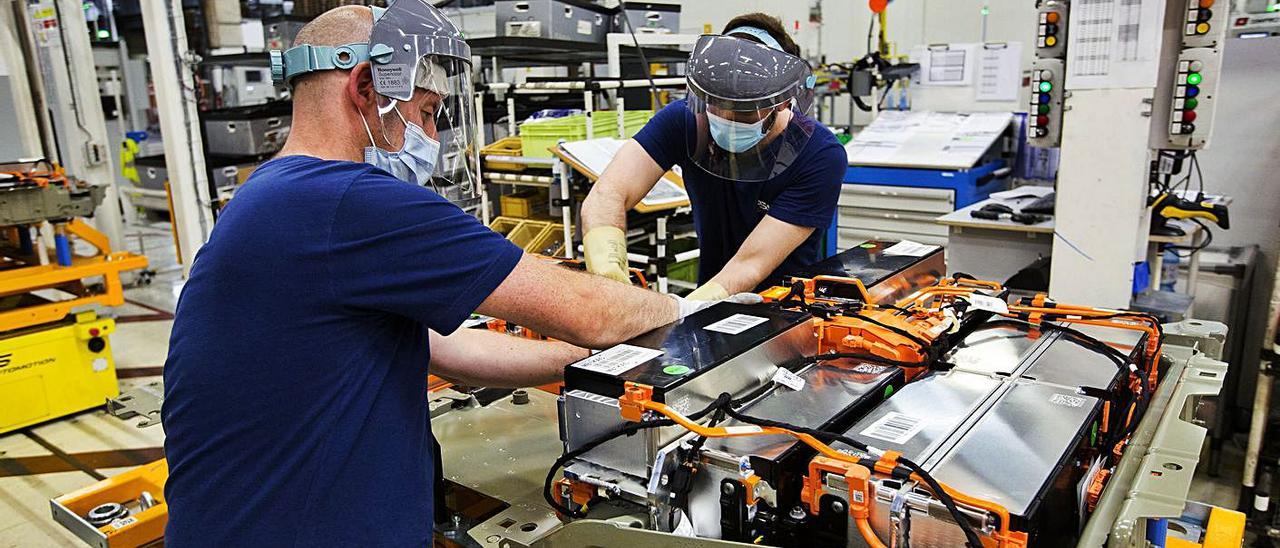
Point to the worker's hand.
(605, 250)
(710, 291)
(689, 306)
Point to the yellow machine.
(55, 358)
(55, 369)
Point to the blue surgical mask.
(415, 162)
(735, 136)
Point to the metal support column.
(165, 30)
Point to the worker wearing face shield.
(763, 177)
(338, 277)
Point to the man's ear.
(360, 88)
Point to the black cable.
(1192, 250)
(971, 536)
(653, 87)
(809, 360)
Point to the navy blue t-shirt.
(295, 388)
(725, 212)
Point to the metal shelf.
(523, 51)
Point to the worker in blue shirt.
(763, 177)
(295, 404)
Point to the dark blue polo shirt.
(725, 212)
(295, 388)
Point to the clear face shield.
(749, 101)
(419, 58)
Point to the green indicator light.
(888, 391)
(867, 245)
(675, 369)
(986, 10)
(1093, 434)
(1046, 87)
(1044, 109)
(1191, 104)
(1194, 78)
(104, 34)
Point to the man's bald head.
(337, 27)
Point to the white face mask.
(415, 162)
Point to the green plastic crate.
(539, 136)
(685, 271)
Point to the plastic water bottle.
(1169, 271)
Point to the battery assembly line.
(574, 273)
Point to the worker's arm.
(627, 179)
(630, 176)
(479, 357)
(766, 247)
(585, 310)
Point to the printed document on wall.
(945, 64)
(1113, 43)
(999, 72)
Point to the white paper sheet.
(925, 139)
(945, 64)
(1113, 43)
(595, 155)
(999, 72)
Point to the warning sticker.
(735, 324)
(618, 360)
(894, 427)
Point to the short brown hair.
(767, 23)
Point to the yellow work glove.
(710, 291)
(605, 250)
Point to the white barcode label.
(869, 369)
(123, 522)
(894, 428)
(736, 323)
(1067, 401)
(989, 304)
(788, 379)
(910, 249)
(618, 360)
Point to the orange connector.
(633, 400)
(858, 478)
(1094, 493)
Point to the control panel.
(1044, 113)
(1048, 74)
(1204, 23)
(1189, 74)
(1051, 36)
(1192, 106)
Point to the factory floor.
(47, 460)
